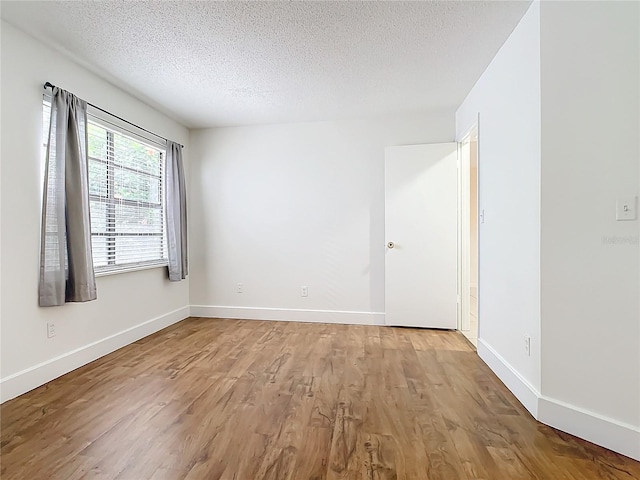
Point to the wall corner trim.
(288, 314)
(519, 386)
(37, 375)
(606, 432)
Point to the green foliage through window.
(125, 187)
(125, 196)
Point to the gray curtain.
(66, 262)
(176, 206)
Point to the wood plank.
(212, 399)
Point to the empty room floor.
(253, 400)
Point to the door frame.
(464, 229)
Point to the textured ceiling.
(233, 63)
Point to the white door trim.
(464, 229)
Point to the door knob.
(390, 244)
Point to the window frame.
(114, 126)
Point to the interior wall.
(275, 207)
(507, 100)
(590, 262)
(559, 142)
(124, 300)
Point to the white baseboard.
(606, 432)
(37, 375)
(519, 386)
(617, 436)
(288, 314)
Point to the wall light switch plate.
(627, 208)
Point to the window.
(125, 195)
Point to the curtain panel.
(176, 218)
(66, 262)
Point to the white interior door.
(421, 234)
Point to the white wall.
(279, 206)
(507, 99)
(559, 140)
(124, 301)
(591, 154)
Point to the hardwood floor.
(248, 400)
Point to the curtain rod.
(51, 85)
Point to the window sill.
(104, 272)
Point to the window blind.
(125, 196)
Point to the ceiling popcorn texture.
(237, 63)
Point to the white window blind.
(125, 195)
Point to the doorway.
(469, 218)
(420, 229)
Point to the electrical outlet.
(239, 287)
(51, 330)
(304, 291)
(527, 345)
